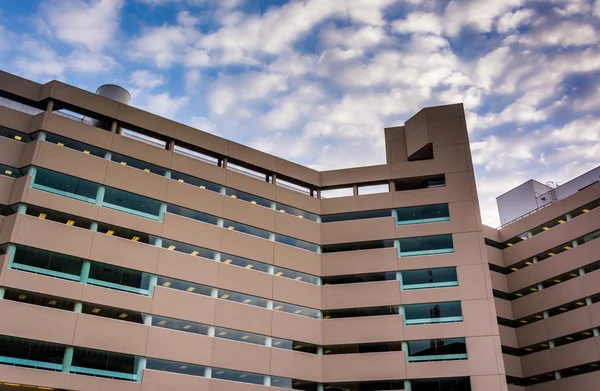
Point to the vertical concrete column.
(113, 127)
(272, 236)
(529, 234)
(170, 145)
(224, 163)
(269, 304)
(574, 243)
(588, 301)
(208, 372)
(100, 195)
(214, 293)
(94, 226)
(395, 215)
(67, 359)
(273, 205)
(355, 189)
(557, 375)
(568, 216)
(168, 174)
(319, 281)
(407, 385)
(50, 106)
(162, 210)
(267, 380)
(545, 314)
(10, 251)
(31, 171)
(268, 342)
(147, 319)
(223, 190)
(391, 186)
(78, 307)
(140, 365)
(320, 350)
(540, 286)
(319, 193)
(107, 155)
(319, 387)
(2, 290)
(404, 347)
(41, 136)
(217, 257)
(220, 223)
(271, 269)
(581, 271)
(85, 272)
(21, 209)
(535, 259)
(596, 332)
(273, 178)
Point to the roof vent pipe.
(113, 92)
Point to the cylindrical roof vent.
(114, 92)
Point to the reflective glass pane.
(131, 203)
(429, 276)
(242, 298)
(175, 367)
(241, 336)
(429, 312)
(39, 260)
(180, 325)
(65, 185)
(426, 245)
(239, 376)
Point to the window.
(242, 298)
(233, 193)
(29, 353)
(112, 313)
(47, 263)
(131, 203)
(13, 134)
(359, 278)
(65, 185)
(374, 189)
(140, 165)
(437, 349)
(192, 214)
(457, 384)
(296, 309)
(119, 278)
(293, 345)
(422, 214)
(444, 312)
(429, 278)
(358, 312)
(10, 171)
(180, 325)
(294, 275)
(76, 145)
(241, 336)
(423, 182)
(425, 245)
(336, 193)
(103, 364)
(296, 243)
(175, 367)
(38, 299)
(239, 376)
(184, 286)
(190, 180)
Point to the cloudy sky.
(316, 81)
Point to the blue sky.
(316, 81)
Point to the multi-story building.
(142, 254)
(547, 286)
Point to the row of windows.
(113, 277)
(550, 224)
(409, 279)
(563, 340)
(185, 248)
(422, 245)
(554, 311)
(549, 253)
(550, 282)
(436, 312)
(54, 357)
(72, 187)
(551, 376)
(403, 216)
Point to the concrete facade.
(141, 254)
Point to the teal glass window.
(422, 214)
(192, 214)
(47, 263)
(425, 245)
(29, 353)
(65, 185)
(296, 243)
(186, 286)
(429, 278)
(119, 278)
(180, 325)
(240, 336)
(443, 312)
(103, 364)
(242, 298)
(437, 349)
(76, 145)
(131, 203)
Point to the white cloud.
(228, 92)
(353, 38)
(184, 18)
(478, 14)
(565, 34)
(419, 22)
(513, 20)
(196, 58)
(146, 79)
(91, 24)
(164, 105)
(192, 77)
(164, 45)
